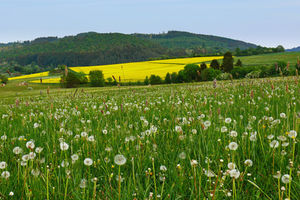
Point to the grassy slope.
(267, 59)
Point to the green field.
(269, 59)
(237, 140)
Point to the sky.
(263, 22)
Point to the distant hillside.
(92, 48)
(204, 43)
(82, 49)
(294, 49)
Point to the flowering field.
(223, 140)
(36, 75)
(136, 71)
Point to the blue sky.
(263, 22)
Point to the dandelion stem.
(154, 179)
(119, 183)
(48, 184)
(66, 188)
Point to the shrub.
(239, 63)
(215, 64)
(73, 79)
(174, 77)
(168, 79)
(154, 80)
(191, 73)
(227, 65)
(97, 78)
(203, 66)
(210, 74)
(3, 79)
(224, 76)
(253, 74)
(146, 81)
(181, 77)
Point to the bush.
(154, 80)
(97, 78)
(224, 76)
(227, 65)
(73, 79)
(215, 64)
(253, 74)
(181, 77)
(210, 74)
(146, 81)
(174, 77)
(3, 79)
(191, 73)
(168, 79)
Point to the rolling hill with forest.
(88, 49)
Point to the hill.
(89, 49)
(109, 48)
(269, 59)
(294, 49)
(82, 49)
(198, 42)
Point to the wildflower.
(84, 134)
(64, 163)
(182, 155)
(91, 138)
(233, 146)
(11, 193)
(224, 129)
(178, 129)
(25, 157)
(194, 163)
(119, 159)
(64, 146)
(30, 144)
(207, 123)
(234, 173)
(36, 125)
(35, 172)
(233, 134)
(282, 115)
(274, 144)
(270, 137)
(285, 144)
(248, 163)
(74, 157)
(292, 134)
(286, 178)
(3, 165)
(3, 137)
(31, 155)
(209, 173)
(38, 149)
(88, 161)
(231, 165)
(228, 120)
(163, 168)
(281, 138)
(5, 174)
(83, 183)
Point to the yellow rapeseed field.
(139, 70)
(47, 80)
(36, 75)
(135, 71)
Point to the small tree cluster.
(97, 78)
(72, 79)
(3, 79)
